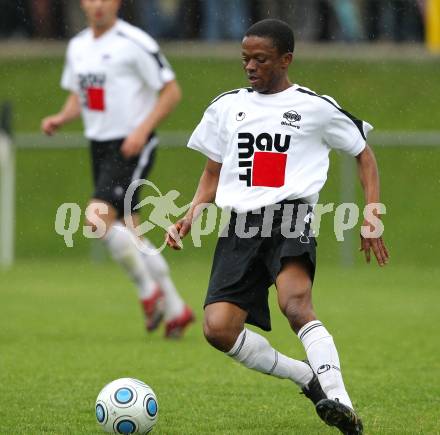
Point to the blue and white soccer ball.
(126, 406)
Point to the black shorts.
(244, 268)
(113, 173)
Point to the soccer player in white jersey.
(123, 87)
(267, 149)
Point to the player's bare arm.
(169, 97)
(369, 177)
(205, 194)
(70, 111)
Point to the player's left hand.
(133, 144)
(377, 245)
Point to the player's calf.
(298, 312)
(294, 287)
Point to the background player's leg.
(177, 314)
(224, 329)
(295, 299)
(122, 246)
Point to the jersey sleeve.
(205, 137)
(68, 79)
(154, 69)
(345, 132)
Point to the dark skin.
(265, 68)
(267, 72)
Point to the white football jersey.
(117, 77)
(274, 146)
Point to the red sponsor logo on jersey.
(93, 91)
(95, 99)
(269, 169)
(263, 158)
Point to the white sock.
(323, 357)
(255, 352)
(160, 272)
(122, 245)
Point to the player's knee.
(99, 218)
(97, 225)
(218, 335)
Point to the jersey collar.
(277, 94)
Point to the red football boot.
(153, 309)
(175, 327)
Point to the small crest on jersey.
(290, 117)
(240, 116)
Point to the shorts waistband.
(297, 214)
(282, 203)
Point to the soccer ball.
(126, 406)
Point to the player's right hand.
(371, 240)
(51, 124)
(177, 232)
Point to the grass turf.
(67, 328)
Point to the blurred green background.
(393, 95)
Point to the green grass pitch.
(69, 325)
(67, 328)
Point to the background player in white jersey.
(123, 87)
(268, 146)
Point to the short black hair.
(277, 30)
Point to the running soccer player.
(267, 149)
(123, 87)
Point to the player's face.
(101, 13)
(265, 67)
